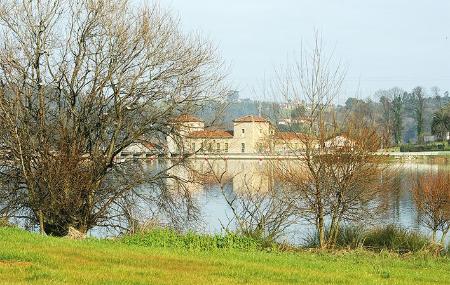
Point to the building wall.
(251, 137)
(248, 138)
(291, 146)
(136, 150)
(178, 139)
(205, 145)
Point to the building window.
(242, 147)
(218, 147)
(243, 131)
(193, 146)
(226, 147)
(210, 147)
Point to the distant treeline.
(401, 116)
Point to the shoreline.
(250, 156)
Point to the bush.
(388, 237)
(168, 238)
(4, 223)
(420, 148)
(350, 237)
(396, 239)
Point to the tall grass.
(168, 238)
(390, 237)
(349, 237)
(395, 239)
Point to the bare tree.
(335, 173)
(436, 91)
(79, 82)
(432, 197)
(397, 110)
(386, 125)
(262, 214)
(392, 102)
(418, 101)
(261, 209)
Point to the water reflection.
(208, 179)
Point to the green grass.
(27, 258)
(167, 238)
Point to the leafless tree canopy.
(432, 197)
(80, 81)
(263, 215)
(335, 174)
(260, 209)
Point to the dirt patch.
(14, 263)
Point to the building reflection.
(243, 175)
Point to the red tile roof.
(149, 145)
(185, 118)
(215, 134)
(146, 144)
(250, 119)
(289, 136)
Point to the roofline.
(241, 119)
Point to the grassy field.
(27, 258)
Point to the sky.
(382, 43)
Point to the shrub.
(4, 223)
(396, 239)
(388, 237)
(168, 238)
(432, 197)
(350, 237)
(420, 148)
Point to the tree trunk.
(444, 235)
(433, 236)
(41, 222)
(334, 232)
(321, 226)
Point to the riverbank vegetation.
(127, 75)
(378, 239)
(432, 197)
(28, 258)
(80, 82)
(422, 148)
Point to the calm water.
(238, 174)
(235, 175)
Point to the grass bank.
(27, 258)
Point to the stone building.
(288, 143)
(250, 135)
(183, 126)
(139, 149)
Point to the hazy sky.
(383, 43)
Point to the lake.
(213, 212)
(239, 174)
